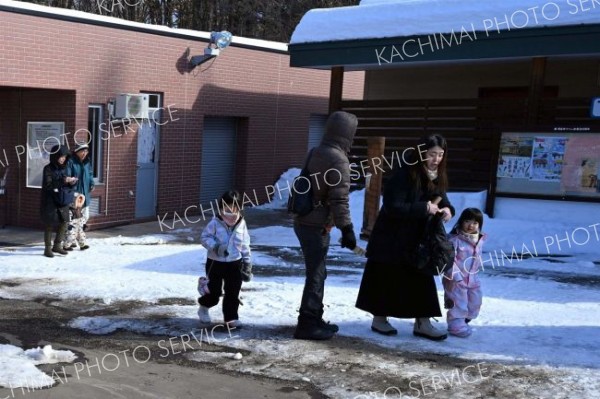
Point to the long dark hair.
(417, 168)
(468, 214)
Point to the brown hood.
(340, 130)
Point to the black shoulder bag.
(434, 253)
(300, 202)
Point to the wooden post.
(536, 90)
(373, 185)
(491, 192)
(336, 87)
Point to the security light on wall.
(218, 41)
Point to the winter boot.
(233, 324)
(48, 252)
(203, 315)
(329, 326)
(464, 333)
(382, 326)
(58, 248)
(58, 241)
(312, 330)
(423, 328)
(48, 243)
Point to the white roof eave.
(122, 23)
(377, 19)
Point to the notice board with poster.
(41, 137)
(549, 164)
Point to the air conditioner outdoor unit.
(129, 106)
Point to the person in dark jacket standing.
(55, 215)
(330, 184)
(79, 166)
(390, 286)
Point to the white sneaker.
(382, 326)
(234, 324)
(423, 328)
(203, 315)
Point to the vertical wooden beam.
(490, 202)
(336, 87)
(373, 185)
(536, 89)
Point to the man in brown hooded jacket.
(330, 184)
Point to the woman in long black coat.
(390, 286)
(54, 215)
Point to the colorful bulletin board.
(549, 164)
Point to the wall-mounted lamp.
(218, 41)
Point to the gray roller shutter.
(218, 157)
(316, 129)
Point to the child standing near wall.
(462, 288)
(228, 262)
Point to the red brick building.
(239, 120)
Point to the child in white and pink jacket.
(462, 288)
(228, 262)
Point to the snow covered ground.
(541, 311)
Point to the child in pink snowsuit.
(462, 288)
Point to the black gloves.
(246, 271)
(348, 237)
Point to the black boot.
(58, 241)
(48, 252)
(48, 242)
(313, 330)
(329, 326)
(58, 248)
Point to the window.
(95, 118)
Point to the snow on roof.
(122, 23)
(398, 18)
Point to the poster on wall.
(41, 137)
(582, 165)
(547, 158)
(549, 164)
(514, 167)
(515, 157)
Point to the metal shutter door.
(316, 129)
(218, 157)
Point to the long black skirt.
(394, 290)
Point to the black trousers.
(223, 276)
(314, 242)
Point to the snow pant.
(75, 231)
(463, 302)
(225, 276)
(314, 242)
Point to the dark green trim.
(571, 198)
(106, 24)
(375, 53)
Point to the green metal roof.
(461, 46)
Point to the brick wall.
(18, 106)
(95, 63)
